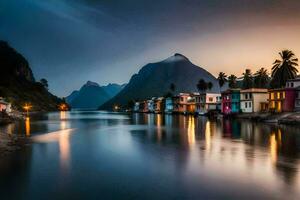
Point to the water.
(94, 155)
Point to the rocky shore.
(10, 143)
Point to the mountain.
(154, 80)
(91, 95)
(18, 85)
(72, 96)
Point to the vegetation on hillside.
(18, 85)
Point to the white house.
(150, 105)
(206, 102)
(252, 98)
(136, 107)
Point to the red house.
(282, 99)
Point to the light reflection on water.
(113, 155)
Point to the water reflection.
(208, 136)
(208, 158)
(191, 130)
(27, 126)
(64, 149)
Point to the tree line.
(283, 69)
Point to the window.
(292, 84)
(246, 96)
(278, 95)
(272, 95)
(250, 96)
(181, 98)
(250, 104)
(246, 105)
(283, 95)
(210, 99)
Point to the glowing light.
(63, 107)
(27, 107)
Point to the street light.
(27, 107)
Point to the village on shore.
(260, 96)
(229, 102)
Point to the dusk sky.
(71, 41)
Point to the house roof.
(255, 90)
(231, 90)
(2, 101)
(294, 80)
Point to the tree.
(261, 78)
(232, 81)
(247, 79)
(202, 85)
(210, 85)
(222, 79)
(284, 69)
(44, 82)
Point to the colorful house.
(282, 99)
(231, 101)
(297, 99)
(252, 99)
(185, 103)
(206, 102)
(144, 107)
(159, 105)
(4, 106)
(136, 107)
(169, 106)
(295, 83)
(150, 105)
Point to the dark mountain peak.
(90, 83)
(92, 95)
(13, 64)
(176, 58)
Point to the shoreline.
(291, 118)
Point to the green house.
(235, 100)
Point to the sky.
(69, 42)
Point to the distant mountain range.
(154, 80)
(91, 95)
(18, 85)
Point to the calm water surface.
(96, 155)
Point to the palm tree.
(232, 81)
(284, 69)
(261, 78)
(247, 79)
(222, 79)
(210, 85)
(202, 85)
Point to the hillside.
(154, 80)
(18, 85)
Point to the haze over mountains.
(154, 80)
(91, 95)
